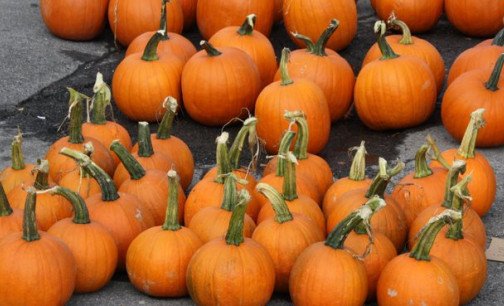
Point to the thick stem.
(17, 152)
(319, 48)
(247, 28)
(5, 208)
(406, 39)
(429, 232)
(30, 232)
(248, 128)
(421, 166)
(171, 220)
(283, 148)
(134, 168)
(284, 72)
(210, 50)
(144, 140)
(460, 195)
(310, 46)
(234, 235)
(282, 213)
(222, 158)
(303, 134)
(42, 178)
(150, 51)
(75, 111)
(166, 125)
(81, 214)
(289, 182)
(496, 73)
(337, 236)
(109, 190)
(468, 144)
(458, 167)
(499, 38)
(383, 177)
(380, 28)
(230, 197)
(358, 168)
(437, 153)
(101, 100)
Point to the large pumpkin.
(480, 18)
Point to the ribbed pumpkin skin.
(130, 18)
(12, 223)
(420, 16)
(468, 93)
(324, 276)
(226, 84)
(395, 94)
(340, 187)
(479, 18)
(483, 57)
(74, 20)
(85, 186)
(157, 161)
(189, 12)
(177, 45)
(11, 178)
(407, 280)
(420, 48)
(213, 15)
(32, 261)
(311, 17)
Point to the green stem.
(248, 128)
(30, 232)
(163, 23)
(75, 110)
(460, 195)
(166, 125)
(17, 152)
(319, 47)
(109, 190)
(42, 178)
(150, 51)
(337, 236)
(499, 38)
(421, 167)
(289, 182)
(310, 46)
(284, 72)
(101, 100)
(468, 144)
(247, 28)
(282, 213)
(303, 134)
(234, 235)
(134, 168)
(437, 153)
(171, 220)
(358, 168)
(222, 158)
(493, 82)
(5, 208)
(81, 214)
(144, 140)
(210, 50)
(230, 197)
(458, 167)
(283, 148)
(406, 39)
(380, 29)
(383, 177)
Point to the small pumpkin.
(91, 244)
(19, 173)
(11, 220)
(419, 16)
(160, 255)
(479, 18)
(497, 40)
(233, 270)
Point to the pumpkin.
(253, 42)
(74, 21)
(150, 186)
(81, 182)
(311, 18)
(421, 188)
(478, 18)
(49, 209)
(61, 165)
(285, 236)
(142, 81)
(11, 220)
(130, 18)
(483, 189)
(406, 44)
(28, 260)
(382, 102)
(228, 82)
(18, 173)
(189, 12)
(146, 156)
(356, 179)
(419, 16)
(325, 68)
(233, 270)
(497, 40)
(278, 10)
(160, 255)
(292, 95)
(120, 213)
(473, 90)
(408, 277)
(212, 222)
(92, 246)
(172, 43)
(214, 15)
(338, 275)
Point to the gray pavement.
(36, 67)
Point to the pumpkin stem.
(247, 28)
(284, 72)
(283, 148)
(363, 214)
(222, 158)
(289, 182)
(468, 144)
(460, 194)
(144, 141)
(499, 38)
(234, 235)
(303, 134)
(210, 50)
(42, 178)
(166, 125)
(458, 167)
(109, 190)
(5, 208)
(358, 168)
(406, 39)
(134, 168)
(383, 177)
(81, 214)
(310, 46)
(248, 128)
(319, 48)
(101, 100)
(75, 111)
(429, 232)
(380, 28)
(150, 51)
(421, 167)
(437, 153)
(17, 152)
(282, 212)
(230, 197)
(171, 220)
(30, 232)
(163, 22)
(493, 82)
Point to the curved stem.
(493, 82)
(230, 197)
(75, 111)
(109, 190)
(42, 178)
(458, 167)
(5, 208)
(380, 28)
(166, 125)
(289, 182)
(437, 153)
(101, 100)
(17, 152)
(144, 141)
(406, 39)
(499, 38)
(81, 214)
(310, 46)
(247, 28)
(319, 47)
(30, 232)
(283, 148)
(150, 51)
(468, 144)
(421, 167)
(284, 72)
(248, 128)
(134, 168)
(337, 236)
(222, 158)
(234, 235)
(303, 134)
(210, 50)
(171, 220)
(383, 177)
(358, 168)
(282, 212)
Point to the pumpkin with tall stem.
(11, 219)
(19, 173)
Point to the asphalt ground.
(37, 67)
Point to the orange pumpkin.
(497, 40)
(160, 255)
(252, 42)
(278, 12)
(292, 95)
(311, 18)
(189, 12)
(382, 102)
(473, 90)
(66, 19)
(478, 18)
(130, 18)
(11, 220)
(18, 173)
(92, 246)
